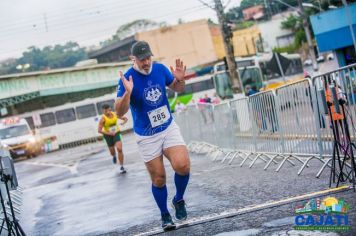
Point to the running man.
(143, 89)
(109, 127)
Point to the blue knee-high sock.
(181, 182)
(160, 195)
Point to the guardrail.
(286, 125)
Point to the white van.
(17, 137)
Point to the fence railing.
(288, 123)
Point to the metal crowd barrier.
(286, 125)
(9, 186)
(335, 91)
(73, 138)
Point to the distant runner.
(109, 127)
(143, 88)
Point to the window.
(30, 122)
(64, 116)
(14, 131)
(100, 104)
(295, 67)
(170, 93)
(223, 85)
(349, 55)
(251, 76)
(221, 67)
(267, 73)
(198, 86)
(188, 89)
(85, 111)
(245, 63)
(47, 119)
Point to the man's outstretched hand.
(128, 84)
(179, 71)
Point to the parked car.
(330, 56)
(308, 62)
(17, 137)
(320, 59)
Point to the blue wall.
(340, 58)
(331, 28)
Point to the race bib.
(112, 128)
(159, 116)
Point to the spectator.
(207, 99)
(249, 90)
(201, 100)
(180, 107)
(215, 99)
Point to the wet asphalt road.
(80, 192)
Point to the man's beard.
(142, 71)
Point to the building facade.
(272, 33)
(192, 42)
(116, 52)
(332, 30)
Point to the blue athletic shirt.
(148, 102)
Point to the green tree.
(50, 57)
(295, 24)
(131, 28)
(250, 3)
(292, 23)
(234, 14)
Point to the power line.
(70, 10)
(84, 36)
(60, 15)
(78, 18)
(56, 27)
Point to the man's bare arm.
(100, 127)
(122, 104)
(178, 85)
(124, 119)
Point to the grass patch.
(185, 99)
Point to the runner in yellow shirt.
(109, 127)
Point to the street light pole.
(308, 35)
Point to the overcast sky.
(23, 22)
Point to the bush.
(288, 49)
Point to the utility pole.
(227, 40)
(45, 21)
(308, 35)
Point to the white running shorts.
(151, 147)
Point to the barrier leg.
(270, 161)
(245, 159)
(226, 156)
(233, 157)
(282, 163)
(255, 159)
(217, 154)
(326, 163)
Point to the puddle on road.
(280, 222)
(247, 232)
